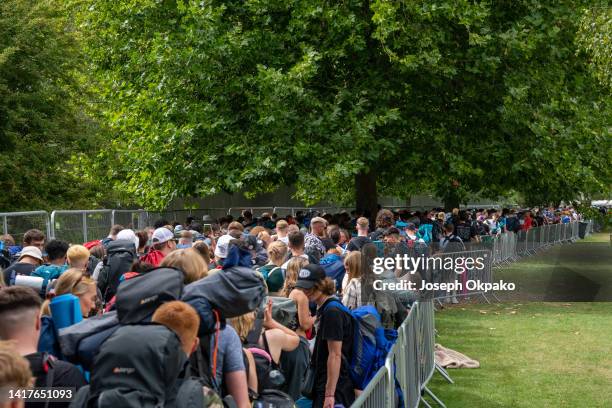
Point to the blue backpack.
(425, 232)
(48, 341)
(371, 343)
(48, 273)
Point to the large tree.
(346, 99)
(42, 122)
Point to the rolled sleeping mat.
(65, 310)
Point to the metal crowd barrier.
(411, 361)
(78, 226)
(464, 268)
(17, 223)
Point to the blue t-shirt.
(229, 354)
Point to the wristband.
(329, 396)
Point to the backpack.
(139, 297)
(193, 393)
(48, 341)
(233, 291)
(48, 273)
(120, 255)
(436, 232)
(464, 232)
(513, 224)
(284, 311)
(80, 342)
(269, 374)
(480, 228)
(274, 398)
(425, 232)
(137, 367)
(370, 345)
(137, 300)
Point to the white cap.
(129, 235)
(222, 247)
(162, 235)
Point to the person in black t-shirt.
(355, 244)
(19, 321)
(334, 341)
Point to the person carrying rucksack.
(56, 254)
(331, 381)
(332, 262)
(29, 259)
(20, 322)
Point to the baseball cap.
(32, 252)
(411, 226)
(129, 235)
(221, 250)
(162, 235)
(309, 275)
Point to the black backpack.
(140, 296)
(131, 371)
(120, 255)
(513, 224)
(137, 300)
(137, 367)
(464, 232)
(269, 374)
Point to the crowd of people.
(315, 262)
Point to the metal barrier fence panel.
(17, 223)
(256, 211)
(376, 394)
(461, 269)
(80, 226)
(132, 219)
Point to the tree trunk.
(451, 201)
(366, 194)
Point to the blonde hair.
(353, 264)
(243, 324)
(179, 317)
(293, 269)
(189, 261)
(77, 254)
(277, 251)
(15, 371)
(72, 281)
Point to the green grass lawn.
(531, 355)
(571, 272)
(537, 354)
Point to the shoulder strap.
(265, 342)
(49, 368)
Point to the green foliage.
(452, 97)
(41, 122)
(595, 37)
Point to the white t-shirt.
(284, 266)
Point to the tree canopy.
(42, 120)
(346, 99)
